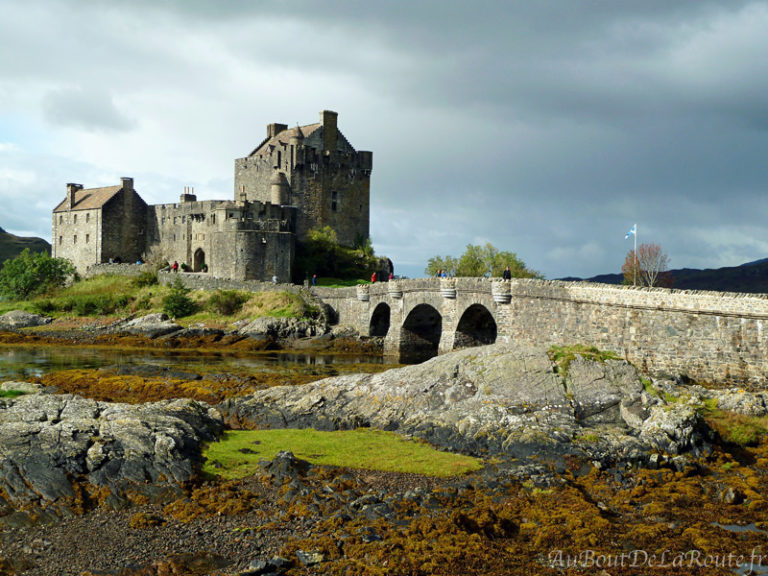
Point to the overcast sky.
(545, 128)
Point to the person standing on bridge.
(507, 274)
(373, 278)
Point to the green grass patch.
(564, 355)
(240, 451)
(11, 393)
(735, 428)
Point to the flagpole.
(634, 268)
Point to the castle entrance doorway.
(199, 260)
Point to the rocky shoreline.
(577, 457)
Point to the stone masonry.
(296, 180)
(706, 336)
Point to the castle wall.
(176, 232)
(238, 240)
(76, 236)
(123, 227)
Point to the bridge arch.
(420, 334)
(380, 320)
(476, 327)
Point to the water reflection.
(18, 363)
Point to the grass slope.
(238, 452)
(108, 295)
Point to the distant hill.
(11, 245)
(751, 278)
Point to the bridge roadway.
(706, 336)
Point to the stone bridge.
(706, 336)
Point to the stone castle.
(294, 181)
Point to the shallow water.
(23, 362)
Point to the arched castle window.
(74, 219)
(87, 218)
(334, 200)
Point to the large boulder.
(151, 326)
(49, 441)
(493, 399)
(21, 319)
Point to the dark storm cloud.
(546, 128)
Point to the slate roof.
(90, 198)
(284, 136)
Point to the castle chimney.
(71, 189)
(275, 129)
(188, 195)
(330, 131)
(127, 184)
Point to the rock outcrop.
(489, 400)
(282, 328)
(16, 319)
(151, 326)
(48, 442)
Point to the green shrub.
(144, 302)
(227, 302)
(177, 303)
(30, 274)
(145, 279)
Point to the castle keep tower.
(315, 169)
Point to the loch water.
(24, 362)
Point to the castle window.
(183, 219)
(213, 218)
(279, 158)
(61, 219)
(87, 237)
(87, 218)
(334, 200)
(74, 219)
(74, 239)
(61, 239)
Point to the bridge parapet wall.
(707, 336)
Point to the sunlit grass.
(238, 452)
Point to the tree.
(31, 273)
(320, 253)
(648, 267)
(480, 261)
(177, 303)
(438, 263)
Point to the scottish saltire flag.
(631, 232)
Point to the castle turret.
(279, 189)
